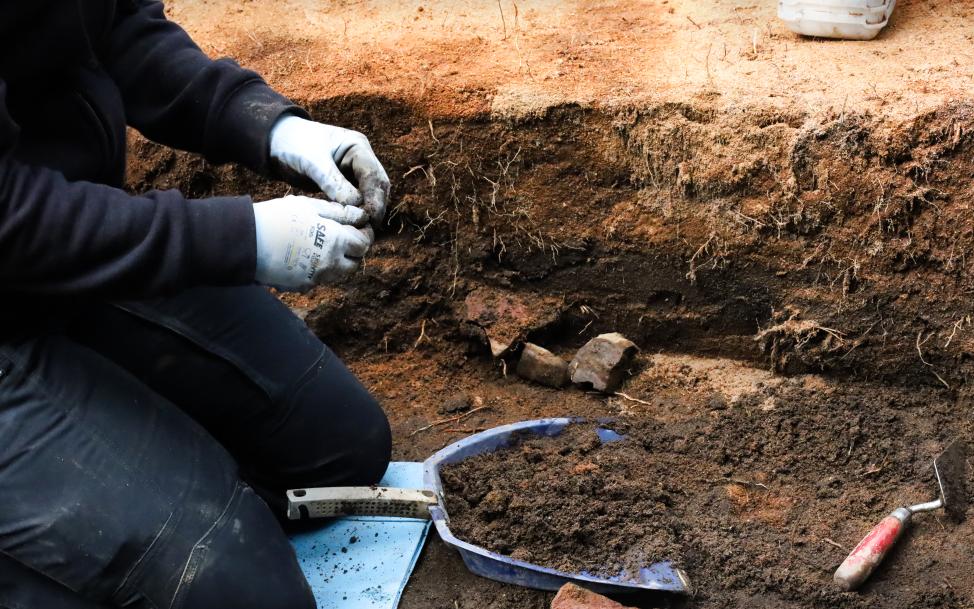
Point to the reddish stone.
(502, 319)
(574, 597)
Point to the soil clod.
(457, 403)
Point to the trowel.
(950, 469)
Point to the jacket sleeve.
(174, 94)
(80, 238)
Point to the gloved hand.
(303, 242)
(331, 156)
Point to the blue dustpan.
(661, 576)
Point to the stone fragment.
(542, 366)
(458, 402)
(603, 362)
(571, 596)
(497, 348)
(502, 319)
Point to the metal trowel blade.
(951, 470)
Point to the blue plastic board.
(363, 562)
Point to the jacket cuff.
(244, 125)
(223, 240)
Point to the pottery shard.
(542, 366)
(603, 362)
(574, 597)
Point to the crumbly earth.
(748, 498)
(569, 503)
(781, 224)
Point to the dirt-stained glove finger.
(356, 244)
(368, 232)
(325, 173)
(373, 182)
(375, 194)
(349, 266)
(343, 214)
(340, 271)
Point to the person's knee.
(375, 449)
(336, 434)
(245, 563)
(352, 450)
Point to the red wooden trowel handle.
(861, 562)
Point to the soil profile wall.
(841, 244)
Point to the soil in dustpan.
(569, 502)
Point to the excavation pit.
(781, 225)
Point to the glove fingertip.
(368, 232)
(348, 196)
(356, 216)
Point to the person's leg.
(23, 588)
(255, 376)
(111, 493)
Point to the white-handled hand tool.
(359, 501)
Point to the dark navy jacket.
(73, 74)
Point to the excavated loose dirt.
(782, 225)
(569, 503)
(748, 499)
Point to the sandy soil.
(455, 56)
(748, 206)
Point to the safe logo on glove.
(320, 237)
(304, 242)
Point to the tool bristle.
(951, 471)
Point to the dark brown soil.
(750, 502)
(842, 246)
(569, 503)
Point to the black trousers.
(145, 448)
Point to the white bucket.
(871, 4)
(851, 20)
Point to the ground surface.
(733, 198)
(451, 56)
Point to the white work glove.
(303, 242)
(339, 161)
